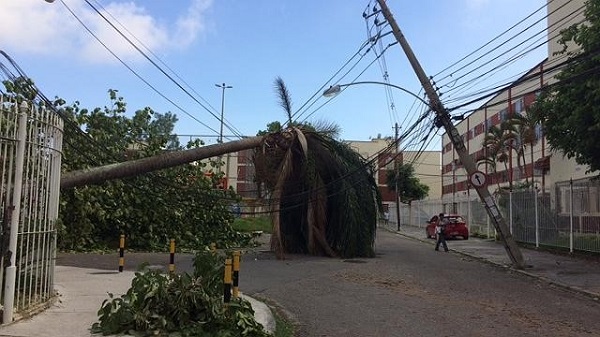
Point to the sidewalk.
(576, 274)
(81, 293)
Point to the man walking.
(439, 232)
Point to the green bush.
(184, 305)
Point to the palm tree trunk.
(96, 175)
(524, 170)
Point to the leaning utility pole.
(476, 178)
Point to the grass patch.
(253, 224)
(283, 326)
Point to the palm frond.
(302, 140)
(327, 128)
(285, 100)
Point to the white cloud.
(36, 27)
(191, 23)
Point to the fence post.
(121, 252)
(172, 256)
(227, 282)
(469, 214)
(236, 273)
(537, 220)
(487, 226)
(510, 210)
(11, 270)
(571, 215)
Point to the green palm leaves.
(325, 200)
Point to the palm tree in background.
(497, 143)
(526, 126)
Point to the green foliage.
(178, 305)
(570, 110)
(22, 89)
(409, 186)
(179, 203)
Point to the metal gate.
(30, 160)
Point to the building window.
(479, 129)
(538, 132)
(518, 106)
(503, 115)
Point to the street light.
(220, 140)
(336, 89)
(222, 86)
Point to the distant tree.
(569, 110)
(409, 186)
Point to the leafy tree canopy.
(179, 203)
(409, 186)
(570, 110)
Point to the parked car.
(456, 226)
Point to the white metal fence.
(566, 215)
(30, 159)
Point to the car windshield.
(454, 219)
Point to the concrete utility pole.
(443, 119)
(396, 168)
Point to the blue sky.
(247, 44)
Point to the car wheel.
(466, 237)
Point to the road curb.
(262, 313)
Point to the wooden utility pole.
(443, 119)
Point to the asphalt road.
(407, 290)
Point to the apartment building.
(427, 165)
(547, 167)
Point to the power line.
(133, 71)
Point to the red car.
(456, 225)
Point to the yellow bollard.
(172, 256)
(236, 273)
(121, 252)
(227, 282)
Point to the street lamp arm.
(336, 89)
